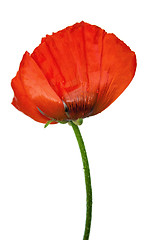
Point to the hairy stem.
(87, 180)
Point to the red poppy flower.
(74, 73)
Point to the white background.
(42, 191)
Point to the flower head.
(74, 73)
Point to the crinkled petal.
(39, 90)
(70, 59)
(23, 103)
(117, 71)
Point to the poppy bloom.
(74, 73)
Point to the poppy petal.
(93, 37)
(57, 57)
(117, 70)
(64, 54)
(86, 46)
(22, 102)
(70, 59)
(44, 59)
(38, 89)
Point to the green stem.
(87, 180)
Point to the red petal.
(39, 90)
(22, 102)
(70, 59)
(93, 37)
(117, 70)
(44, 59)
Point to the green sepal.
(47, 123)
(62, 122)
(79, 121)
(54, 120)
